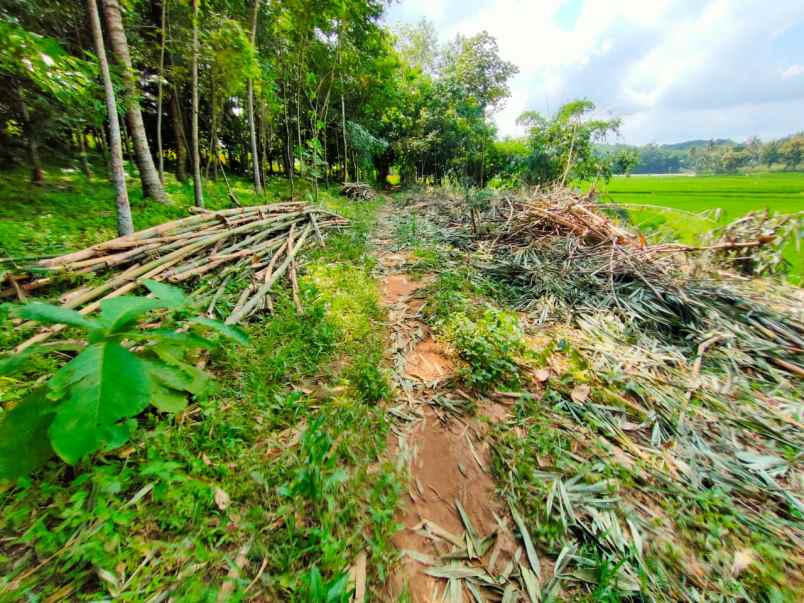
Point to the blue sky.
(672, 69)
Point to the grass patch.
(298, 479)
(685, 207)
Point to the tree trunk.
(82, 148)
(180, 136)
(37, 175)
(213, 140)
(124, 223)
(159, 152)
(199, 194)
(151, 185)
(345, 145)
(251, 125)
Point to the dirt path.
(451, 507)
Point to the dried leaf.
(454, 571)
(742, 560)
(222, 499)
(357, 577)
(542, 374)
(529, 548)
(580, 393)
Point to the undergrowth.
(283, 463)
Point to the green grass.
(287, 454)
(70, 212)
(684, 207)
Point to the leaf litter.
(661, 455)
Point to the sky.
(673, 70)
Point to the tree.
(197, 190)
(124, 223)
(417, 45)
(255, 156)
(46, 88)
(562, 147)
(791, 151)
(474, 65)
(151, 185)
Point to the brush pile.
(754, 244)
(257, 245)
(660, 456)
(357, 191)
(565, 254)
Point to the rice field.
(684, 207)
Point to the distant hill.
(689, 144)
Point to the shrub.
(489, 345)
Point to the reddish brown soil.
(443, 465)
(428, 361)
(398, 287)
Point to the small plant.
(489, 345)
(90, 403)
(369, 379)
(478, 201)
(318, 590)
(319, 475)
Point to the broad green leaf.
(118, 313)
(190, 378)
(232, 332)
(167, 399)
(103, 384)
(50, 314)
(118, 434)
(24, 443)
(12, 364)
(339, 588)
(183, 339)
(170, 296)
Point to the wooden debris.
(205, 249)
(358, 191)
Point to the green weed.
(490, 343)
(258, 461)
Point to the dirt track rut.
(445, 453)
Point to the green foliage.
(335, 590)
(491, 345)
(366, 146)
(91, 400)
(43, 62)
(562, 147)
(369, 378)
(241, 445)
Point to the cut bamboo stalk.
(294, 284)
(235, 317)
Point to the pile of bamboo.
(205, 249)
(358, 191)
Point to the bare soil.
(447, 457)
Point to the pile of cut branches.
(358, 191)
(563, 249)
(206, 250)
(754, 244)
(659, 458)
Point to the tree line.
(714, 156)
(317, 90)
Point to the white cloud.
(673, 69)
(792, 71)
